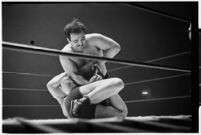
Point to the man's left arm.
(109, 47)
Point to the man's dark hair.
(75, 26)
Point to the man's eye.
(75, 41)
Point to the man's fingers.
(92, 79)
(98, 77)
(95, 78)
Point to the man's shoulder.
(93, 35)
(67, 48)
(94, 38)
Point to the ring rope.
(111, 70)
(31, 105)
(152, 60)
(43, 50)
(157, 79)
(156, 99)
(167, 57)
(39, 128)
(131, 83)
(24, 89)
(21, 73)
(158, 12)
(133, 101)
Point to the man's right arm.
(71, 69)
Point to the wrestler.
(60, 88)
(87, 88)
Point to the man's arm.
(109, 47)
(54, 89)
(71, 69)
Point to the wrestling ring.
(179, 123)
(147, 124)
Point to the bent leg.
(117, 102)
(101, 90)
(116, 108)
(107, 111)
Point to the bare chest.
(94, 51)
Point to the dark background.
(199, 67)
(142, 35)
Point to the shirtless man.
(84, 89)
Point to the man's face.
(78, 41)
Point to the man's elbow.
(118, 48)
(50, 85)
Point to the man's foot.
(77, 104)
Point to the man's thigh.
(103, 111)
(86, 89)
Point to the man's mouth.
(80, 46)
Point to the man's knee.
(103, 111)
(117, 82)
(123, 114)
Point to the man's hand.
(95, 78)
(97, 74)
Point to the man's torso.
(89, 49)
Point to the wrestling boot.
(77, 105)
